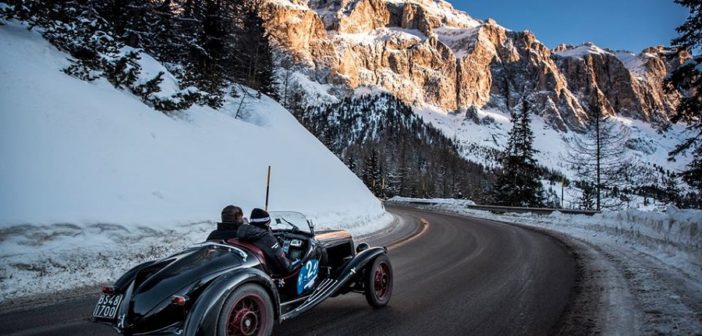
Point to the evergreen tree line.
(393, 150)
(687, 80)
(208, 45)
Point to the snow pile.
(445, 202)
(94, 181)
(679, 227)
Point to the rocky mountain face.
(427, 53)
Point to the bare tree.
(285, 73)
(599, 156)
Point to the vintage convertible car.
(227, 288)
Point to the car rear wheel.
(379, 282)
(247, 311)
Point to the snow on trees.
(208, 45)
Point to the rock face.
(427, 53)
(620, 82)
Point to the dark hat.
(230, 213)
(259, 217)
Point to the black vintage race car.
(226, 288)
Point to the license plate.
(107, 306)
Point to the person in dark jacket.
(258, 232)
(232, 218)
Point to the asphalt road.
(453, 276)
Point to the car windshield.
(284, 220)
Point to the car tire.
(379, 282)
(247, 311)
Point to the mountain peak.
(427, 53)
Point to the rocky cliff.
(427, 53)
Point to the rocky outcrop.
(621, 83)
(427, 53)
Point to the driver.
(258, 232)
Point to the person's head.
(260, 218)
(232, 216)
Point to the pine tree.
(132, 21)
(587, 199)
(210, 53)
(373, 173)
(172, 34)
(253, 59)
(123, 72)
(687, 80)
(519, 182)
(351, 163)
(672, 191)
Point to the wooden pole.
(268, 186)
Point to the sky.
(616, 24)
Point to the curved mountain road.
(455, 276)
(459, 276)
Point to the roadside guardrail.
(505, 209)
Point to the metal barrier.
(506, 209)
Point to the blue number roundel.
(307, 276)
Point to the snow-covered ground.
(652, 145)
(92, 181)
(647, 265)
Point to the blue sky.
(617, 24)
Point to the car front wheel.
(247, 311)
(379, 282)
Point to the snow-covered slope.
(87, 168)
(487, 131)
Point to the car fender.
(353, 267)
(202, 319)
(360, 261)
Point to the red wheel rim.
(381, 281)
(247, 316)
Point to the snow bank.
(679, 227)
(451, 202)
(93, 181)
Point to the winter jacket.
(224, 231)
(222, 234)
(266, 241)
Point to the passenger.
(232, 218)
(259, 233)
